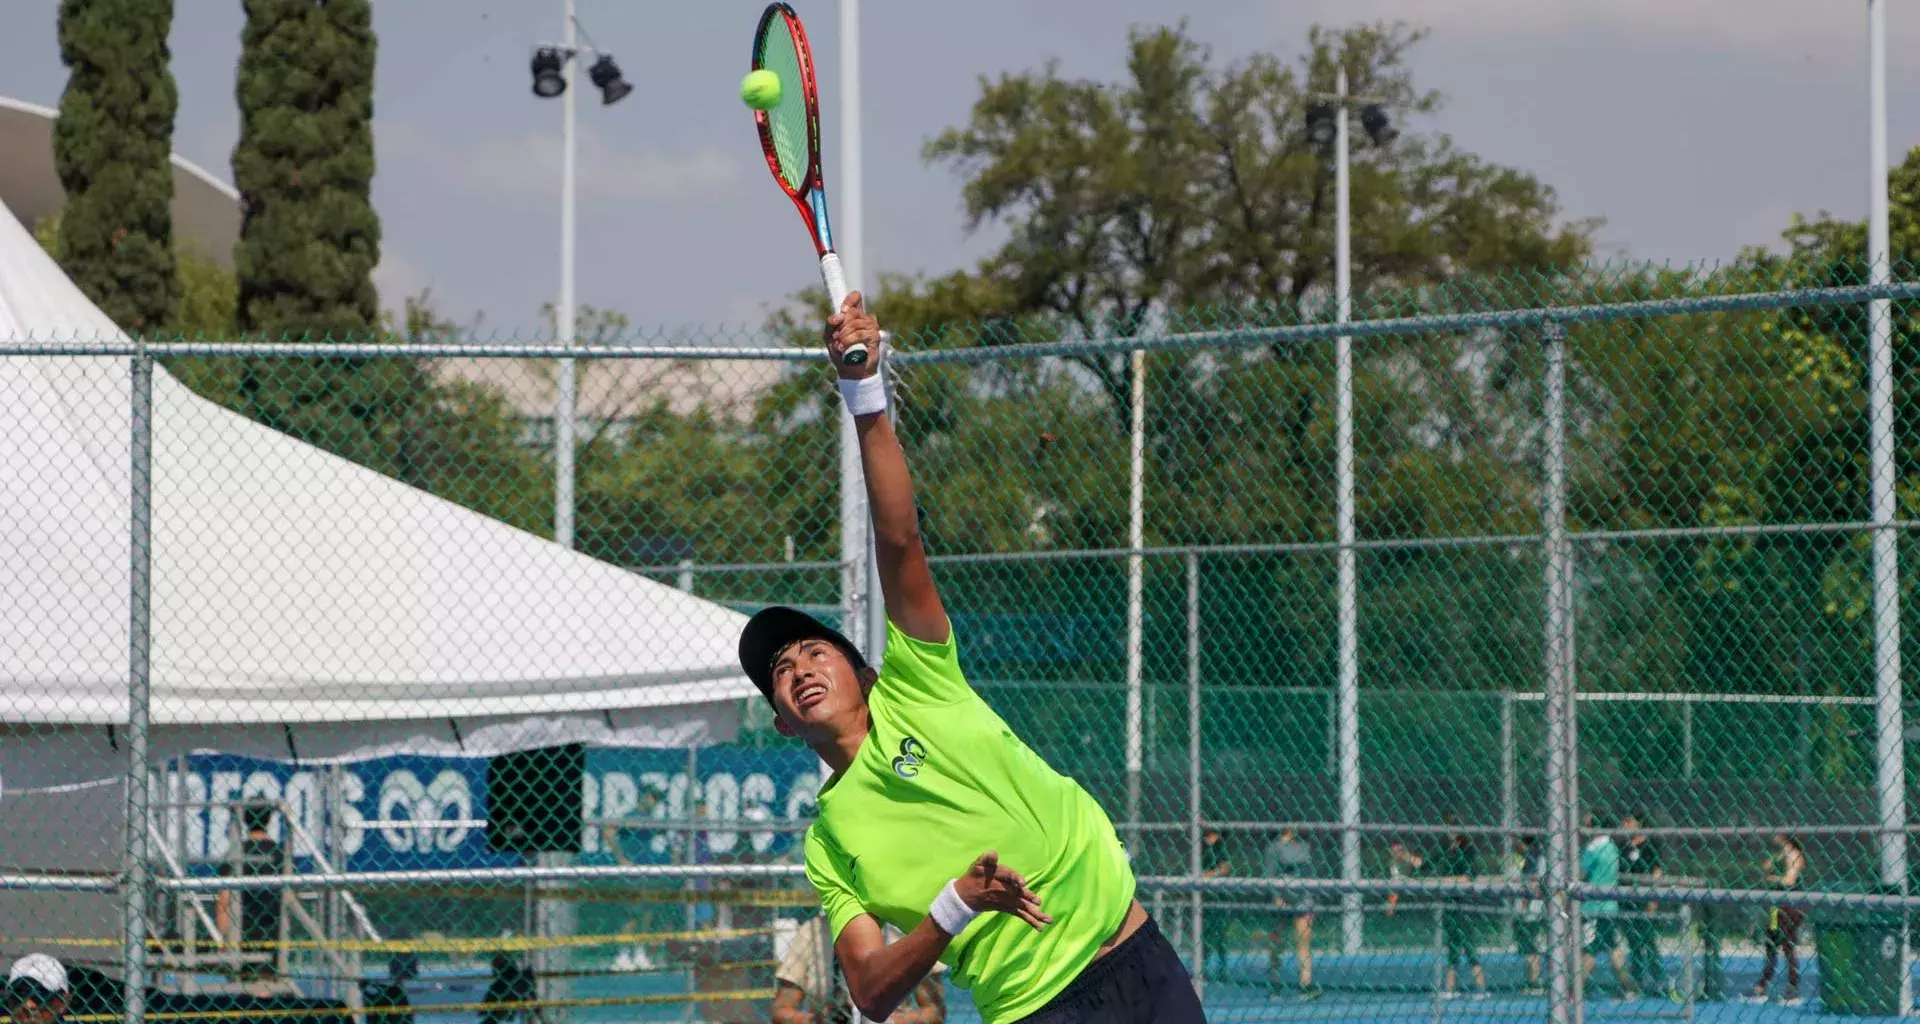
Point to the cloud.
(397, 278)
(1821, 31)
(530, 164)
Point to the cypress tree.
(112, 146)
(309, 237)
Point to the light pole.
(1327, 122)
(864, 611)
(553, 77)
(1890, 746)
(552, 69)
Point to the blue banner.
(428, 813)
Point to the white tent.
(300, 604)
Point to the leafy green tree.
(112, 146)
(1746, 419)
(460, 438)
(1189, 191)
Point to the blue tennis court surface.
(1382, 987)
(1369, 987)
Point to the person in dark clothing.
(1460, 916)
(1527, 866)
(390, 996)
(1215, 862)
(1640, 861)
(511, 983)
(260, 909)
(1785, 870)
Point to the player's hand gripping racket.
(790, 135)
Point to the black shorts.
(1526, 936)
(1603, 935)
(1141, 980)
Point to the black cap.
(773, 630)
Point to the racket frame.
(810, 197)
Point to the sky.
(1692, 127)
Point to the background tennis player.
(937, 819)
(38, 991)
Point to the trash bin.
(1860, 962)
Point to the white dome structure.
(206, 210)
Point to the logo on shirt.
(912, 756)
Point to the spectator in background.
(37, 990)
(1289, 856)
(1785, 870)
(260, 910)
(390, 996)
(1640, 862)
(1600, 866)
(1526, 867)
(1215, 862)
(512, 986)
(704, 915)
(1459, 916)
(809, 988)
(1401, 863)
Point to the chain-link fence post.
(139, 686)
(1562, 846)
(1136, 540)
(1194, 811)
(1347, 693)
(1509, 796)
(1889, 717)
(565, 419)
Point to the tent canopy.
(294, 590)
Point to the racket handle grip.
(835, 278)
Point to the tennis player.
(38, 991)
(936, 818)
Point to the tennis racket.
(790, 136)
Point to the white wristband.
(951, 912)
(865, 396)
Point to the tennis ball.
(760, 89)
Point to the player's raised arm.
(906, 583)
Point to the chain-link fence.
(1426, 664)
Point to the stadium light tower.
(1328, 123)
(553, 75)
(1890, 732)
(553, 67)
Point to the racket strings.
(787, 121)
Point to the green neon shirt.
(940, 780)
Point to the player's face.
(33, 1011)
(814, 685)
